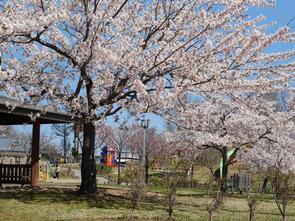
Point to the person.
(57, 171)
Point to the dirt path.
(76, 173)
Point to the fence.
(240, 182)
(15, 174)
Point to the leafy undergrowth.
(112, 203)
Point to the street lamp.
(144, 125)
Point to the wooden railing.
(15, 174)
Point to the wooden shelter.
(18, 115)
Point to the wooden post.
(35, 153)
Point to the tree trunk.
(119, 169)
(283, 212)
(132, 214)
(263, 189)
(88, 167)
(210, 216)
(170, 213)
(282, 208)
(76, 147)
(146, 167)
(192, 175)
(223, 186)
(251, 214)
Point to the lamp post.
(144, 125)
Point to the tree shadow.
(102, 199)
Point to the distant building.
(128, 154)
(10, 150)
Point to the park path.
(100, 180)
(76, 173)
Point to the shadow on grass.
(105, 198)
(71, 197)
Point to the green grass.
(113, 203)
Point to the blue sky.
(282, 14)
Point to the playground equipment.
(108, 157)
(45, 169)
(230, 159)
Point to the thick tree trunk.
(88, 167)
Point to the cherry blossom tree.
(96, 58)
(231, 125)
(274, 157)
(274, 160)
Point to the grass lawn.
(112, 203)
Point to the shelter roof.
(20, 114)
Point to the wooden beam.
(35, 153)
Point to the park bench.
(15, 174)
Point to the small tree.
(214, 202)
(174, 172)
(134, 174)
(281, 186)
(276, 165)
(252, 204)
